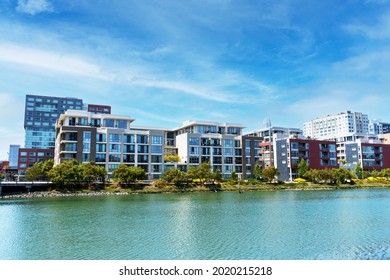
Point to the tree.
(66, 173)
(126, 174)
(257, 171)
(171, 158)
(340, 175)
(35, 172)
(1, 175)
(176, 176)
(270, 172)
(233, 175)
(204, 172)
(302, 168)
(217, 175)
(359, 171)
(40, 170)
(90, 172)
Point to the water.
(353, 224)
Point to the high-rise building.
(13, 155)
(41, 114)
(342, 127)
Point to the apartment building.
(318, 154)
(28, 157)
(213, 142)
(342, 127)
(266, 138)
(109, 141)
(41, 114)
(99, 109)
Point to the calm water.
(352, 224)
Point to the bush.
(300, 180)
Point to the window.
(156, 159)
(128, 138)
(115, 137)
(115, 148)
(100, 137)
(129, 148)
(114, 158)
(86, 157)
(108, 123)
(142, 139)
(157, 140)
(142, 149)
(228, 143)
(156, 149)
(193, 141)
(142, 159)
(101, 148)
(194, 150)
(121, 124)
(228, 151)
(23, 154)
(100, 158)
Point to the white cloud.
(51, 61)
(34, 7)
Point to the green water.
(353, 224)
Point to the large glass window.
(100, 158)
(121, 124)
(101, 148)
(108, 123)
(194, 150)
(115, 137)
(142, 158)
(114, 157)
(100, 137)
(156, 149)
(193, 141)
(116, 148)
(128, 158)
(142, 139)
(156, 140)
(156, 159)
(143, 149)
(128, 138)
(228, 143)
(228, 151)
(129, 148)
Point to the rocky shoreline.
(59, 194)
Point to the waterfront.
(337, 224)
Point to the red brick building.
(27, 157)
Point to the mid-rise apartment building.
(213, 142)
(318, 154)
(109, 141)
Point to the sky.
(165, 62)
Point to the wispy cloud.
(33, 7)
(51, 61)
(379, 30)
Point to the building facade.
(318, 154)
(99, 109)
(108, 140)
(217, 143)
(41, 114)
(29, 156)
(13, 155)
(342, 127)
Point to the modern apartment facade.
(318, 154)
(99, 109)
(213, 142)
(109, 141)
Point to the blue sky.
(164, 62)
